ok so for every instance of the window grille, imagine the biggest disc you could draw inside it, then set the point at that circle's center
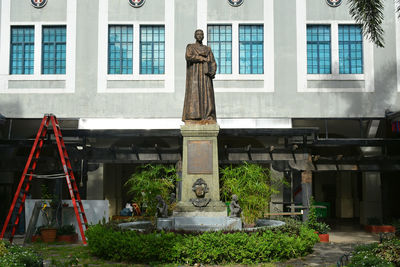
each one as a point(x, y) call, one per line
point(22, 49)
point(251, 51)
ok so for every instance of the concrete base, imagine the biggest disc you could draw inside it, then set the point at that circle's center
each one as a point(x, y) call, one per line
point(213, 209)
point(165, 223)
point(207, 223)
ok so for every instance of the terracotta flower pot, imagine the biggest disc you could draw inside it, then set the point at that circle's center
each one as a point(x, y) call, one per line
point(35, 238)
point(68, 238)
point(380, 228)
point(48, 234)
point(324, 238)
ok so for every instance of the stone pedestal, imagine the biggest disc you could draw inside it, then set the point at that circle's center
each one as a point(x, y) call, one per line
point(165, 223)
point(200, 173)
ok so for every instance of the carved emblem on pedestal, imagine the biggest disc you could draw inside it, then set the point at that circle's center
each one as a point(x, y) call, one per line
point(200, 189)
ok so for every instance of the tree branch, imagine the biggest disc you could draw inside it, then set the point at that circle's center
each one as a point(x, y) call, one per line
point(369, 13)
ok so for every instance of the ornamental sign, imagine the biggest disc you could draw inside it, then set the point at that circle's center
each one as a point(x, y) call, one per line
point(136, 3)
point(235, 2)
point(334, 3)
point(38, 3)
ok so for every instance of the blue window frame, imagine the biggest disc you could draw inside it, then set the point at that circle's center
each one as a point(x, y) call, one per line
point(120, 49)
point(350, 49)
point(152, 49)
point(318, 49)
point(251, 49)
point(54, 49)
point(22, 49)
point(220, 40)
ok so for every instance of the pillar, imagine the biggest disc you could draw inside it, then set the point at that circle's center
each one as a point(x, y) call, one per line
point(371, 205)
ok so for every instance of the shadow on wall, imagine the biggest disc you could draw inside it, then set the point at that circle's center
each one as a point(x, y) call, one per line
point(384, 97)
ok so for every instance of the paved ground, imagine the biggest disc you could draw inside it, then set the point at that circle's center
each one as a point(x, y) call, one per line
point(342, 242)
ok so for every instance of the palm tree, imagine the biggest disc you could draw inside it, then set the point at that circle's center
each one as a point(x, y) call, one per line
point(369, 13)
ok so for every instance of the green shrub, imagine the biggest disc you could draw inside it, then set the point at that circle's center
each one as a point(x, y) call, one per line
point(148, 182)
point(253, 185)
point(19, 256)
point(3, 249)
point(66, 230)
point(377, 255)
point(312, 220)
point(208, 248)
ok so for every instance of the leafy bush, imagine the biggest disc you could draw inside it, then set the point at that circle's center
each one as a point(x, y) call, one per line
point(208, 248)
point(3, 249)
point(253, 185)
point(312, 220)
point(66, 230)
point(19, 256)
point(148, 182)
point(381, 255)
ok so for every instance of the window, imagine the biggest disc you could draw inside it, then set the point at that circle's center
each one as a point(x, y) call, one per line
point(22, 49)
point(251, 52)
point(350, 49)
point(152, 49)
point(318, 49)
point(220, 40)
point(120, 49)
point(54, 49)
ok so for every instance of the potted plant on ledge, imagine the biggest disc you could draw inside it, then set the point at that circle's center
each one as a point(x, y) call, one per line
point(374, 225)
point(320, 228)
point(322, 231)
point(48, 232)
point(67, 234)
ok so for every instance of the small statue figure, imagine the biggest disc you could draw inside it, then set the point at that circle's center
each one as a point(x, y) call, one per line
point(234, 207)
point(162, 208)
point(172, 198)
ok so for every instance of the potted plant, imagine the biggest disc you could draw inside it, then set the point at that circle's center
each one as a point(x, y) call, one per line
point(36, 235)
point(374, 225)
point(320, 228)
point(48, 232)
point(322, 231)
point(67, 234)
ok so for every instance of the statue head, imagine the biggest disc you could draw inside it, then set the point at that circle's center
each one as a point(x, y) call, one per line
point(200, 188)
point(234, 198)
point(159, 199)
point(199, 35)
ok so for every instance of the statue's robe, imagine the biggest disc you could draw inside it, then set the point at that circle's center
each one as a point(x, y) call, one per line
point(199, 95)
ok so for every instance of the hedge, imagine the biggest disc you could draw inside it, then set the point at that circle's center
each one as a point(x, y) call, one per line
point(207, 248)
point(16, 256)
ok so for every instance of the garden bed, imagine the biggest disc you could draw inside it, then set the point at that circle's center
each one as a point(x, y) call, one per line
point(268, 245)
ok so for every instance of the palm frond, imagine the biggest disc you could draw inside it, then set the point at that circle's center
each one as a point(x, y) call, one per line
point(369, 13)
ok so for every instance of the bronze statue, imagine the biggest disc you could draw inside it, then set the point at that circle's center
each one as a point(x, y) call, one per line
point(162, 208)
point(199, 105)
point(235, 207)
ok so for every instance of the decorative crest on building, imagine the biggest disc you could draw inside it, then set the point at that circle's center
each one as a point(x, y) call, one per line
point(136, 3)
point(235, 2)
point(38, 3)
point(334, 3)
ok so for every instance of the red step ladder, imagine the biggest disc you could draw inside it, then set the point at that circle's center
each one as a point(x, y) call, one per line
point(26, 178)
